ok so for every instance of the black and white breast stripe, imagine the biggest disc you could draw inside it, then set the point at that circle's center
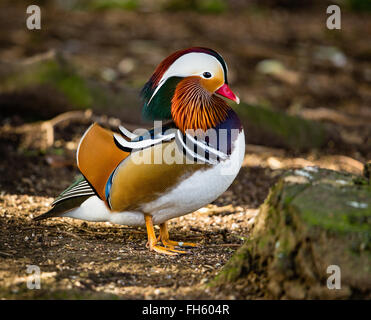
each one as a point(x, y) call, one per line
point(80, 189)
point(199, 151)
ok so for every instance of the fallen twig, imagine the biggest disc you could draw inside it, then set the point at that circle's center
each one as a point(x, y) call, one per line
point(5, 254)
point(48, 126)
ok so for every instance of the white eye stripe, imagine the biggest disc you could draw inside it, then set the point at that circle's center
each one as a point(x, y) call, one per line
point(194, 63)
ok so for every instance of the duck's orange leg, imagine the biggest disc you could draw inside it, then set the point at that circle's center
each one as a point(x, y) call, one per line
point(164, 237)
point(152, 241)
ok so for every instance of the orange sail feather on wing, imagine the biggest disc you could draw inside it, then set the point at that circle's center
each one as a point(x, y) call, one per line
point(98, 156)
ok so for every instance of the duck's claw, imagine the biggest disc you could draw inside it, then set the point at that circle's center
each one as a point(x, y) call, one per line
point(171, 243)
point(164, 238)
point(152, 242)
point(169, 251)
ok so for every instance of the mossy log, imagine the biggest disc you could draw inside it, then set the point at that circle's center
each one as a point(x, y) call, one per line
point(44, 86)
point(279, 129)
point(312, 219)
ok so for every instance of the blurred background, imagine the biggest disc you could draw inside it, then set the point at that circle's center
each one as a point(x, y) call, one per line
point(306, 90)
point(282, 59)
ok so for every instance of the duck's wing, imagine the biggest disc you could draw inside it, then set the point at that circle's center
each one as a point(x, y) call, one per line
point(147, 175)
point(126, 170)
point(79, 188)
point(69, 199)
point(155, 166)
point(97, 156)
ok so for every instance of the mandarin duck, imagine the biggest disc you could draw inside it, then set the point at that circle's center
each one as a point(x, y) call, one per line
point(174, 169)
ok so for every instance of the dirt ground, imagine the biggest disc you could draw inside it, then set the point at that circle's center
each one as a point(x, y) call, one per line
point(99, 260)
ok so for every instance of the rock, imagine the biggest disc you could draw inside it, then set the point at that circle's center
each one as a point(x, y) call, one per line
point(126, 65)
point(277, 70)
point(312, 219)
point(331, 55)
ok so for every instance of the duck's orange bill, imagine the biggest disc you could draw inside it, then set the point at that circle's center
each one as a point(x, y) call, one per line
point(226, 92)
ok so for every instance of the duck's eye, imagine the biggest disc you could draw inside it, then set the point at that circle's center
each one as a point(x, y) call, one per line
point(206, 75)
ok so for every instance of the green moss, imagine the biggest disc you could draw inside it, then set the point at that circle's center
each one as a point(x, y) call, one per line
point(234, 268)
point(212, 6)
point(54, 74)
point(68, 82)
point(57, 151)
point(290, 192)
point(358, 5)
point(294, 132)
point(113, 4)
point(263, 242)
point(336, 209)
point(205, 6)
point(304, 225)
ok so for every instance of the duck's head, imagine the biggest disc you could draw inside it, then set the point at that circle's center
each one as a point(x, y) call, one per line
point(185, 88)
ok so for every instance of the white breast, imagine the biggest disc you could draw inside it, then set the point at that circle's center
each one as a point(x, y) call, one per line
point(200, 189)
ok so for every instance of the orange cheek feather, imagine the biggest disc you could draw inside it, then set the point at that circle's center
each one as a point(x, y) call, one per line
point(213, 83)
point(193, 107)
